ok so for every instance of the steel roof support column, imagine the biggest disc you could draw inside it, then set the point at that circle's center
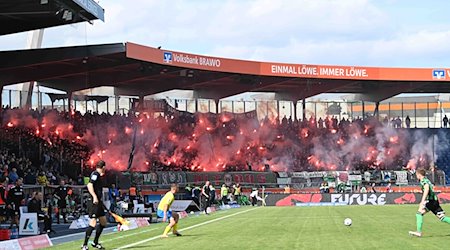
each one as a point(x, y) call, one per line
point(376, 112)
point(1, 99)
point(34, 41)
point(295, 110)
point(217, 101)
point(304, 109)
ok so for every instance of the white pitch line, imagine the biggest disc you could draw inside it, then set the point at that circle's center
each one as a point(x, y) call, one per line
point(184, 229)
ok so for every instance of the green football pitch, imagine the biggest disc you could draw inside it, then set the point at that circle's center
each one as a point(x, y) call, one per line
point(374, 227)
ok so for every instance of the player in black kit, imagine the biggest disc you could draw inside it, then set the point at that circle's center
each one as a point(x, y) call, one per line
point(95, 206)
point(15, 199)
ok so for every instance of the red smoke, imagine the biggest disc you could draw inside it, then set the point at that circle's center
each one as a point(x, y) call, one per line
point(208, 142)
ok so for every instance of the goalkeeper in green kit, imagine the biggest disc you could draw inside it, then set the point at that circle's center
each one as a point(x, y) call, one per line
point(428, 203)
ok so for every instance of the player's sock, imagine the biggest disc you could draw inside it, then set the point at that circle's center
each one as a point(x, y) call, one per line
point(166, 231)
point(175, 227)
point(446, 219)
point(419, 221)
point(88, 235)
point(98, 232)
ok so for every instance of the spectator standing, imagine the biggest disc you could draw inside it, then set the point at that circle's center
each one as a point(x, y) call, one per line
point(237, 193)
point(30, 178)
point(445, 121)
point(408, 122)
point(224, 194)
point(113, 194)
point(13, 176)
point(212, 195)
point(34, 206)
point(80, 179)
point(42, 179)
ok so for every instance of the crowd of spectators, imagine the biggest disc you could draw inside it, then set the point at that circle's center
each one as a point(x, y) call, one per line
point(185, 141)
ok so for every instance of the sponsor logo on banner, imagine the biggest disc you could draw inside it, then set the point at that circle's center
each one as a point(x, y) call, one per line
point(407, 198)
point(309, 174)
point(28, 224)
point(319, 71)
point(167, 57)
point(170, 57)
point(359, 199)
point(438, 74)
point(292, 199)
point(350, 199)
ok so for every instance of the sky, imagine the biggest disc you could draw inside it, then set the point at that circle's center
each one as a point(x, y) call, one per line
point(391, 33)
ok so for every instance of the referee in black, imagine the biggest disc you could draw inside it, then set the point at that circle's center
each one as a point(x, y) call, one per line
point(95, 206)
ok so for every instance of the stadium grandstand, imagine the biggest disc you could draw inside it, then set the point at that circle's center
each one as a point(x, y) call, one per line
point(158, 117)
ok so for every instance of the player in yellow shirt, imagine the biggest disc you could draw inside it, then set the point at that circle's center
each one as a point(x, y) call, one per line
point(165, 212)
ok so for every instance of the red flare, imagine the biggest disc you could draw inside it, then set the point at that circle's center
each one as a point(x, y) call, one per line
point(393, 139)
point(366, 129)
point(10, 124)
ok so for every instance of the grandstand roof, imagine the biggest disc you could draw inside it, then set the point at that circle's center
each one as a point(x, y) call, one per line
point(139, 70)
point(25, 15)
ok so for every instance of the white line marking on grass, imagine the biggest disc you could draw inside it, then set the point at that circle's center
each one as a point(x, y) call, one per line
point(187, 228)
point(127, 235)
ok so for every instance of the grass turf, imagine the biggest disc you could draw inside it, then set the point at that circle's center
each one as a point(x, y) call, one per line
point(374, 227)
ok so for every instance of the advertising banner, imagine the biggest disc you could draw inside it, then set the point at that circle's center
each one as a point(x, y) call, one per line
point(350, 198)
point(192, 61)
point(28, 224)
point(218, 178)
point(27, 243)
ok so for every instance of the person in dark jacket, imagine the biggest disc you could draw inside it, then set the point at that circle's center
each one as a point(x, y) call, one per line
point(34, 206)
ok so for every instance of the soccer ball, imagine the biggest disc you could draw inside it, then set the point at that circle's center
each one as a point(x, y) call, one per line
point(348, 222)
